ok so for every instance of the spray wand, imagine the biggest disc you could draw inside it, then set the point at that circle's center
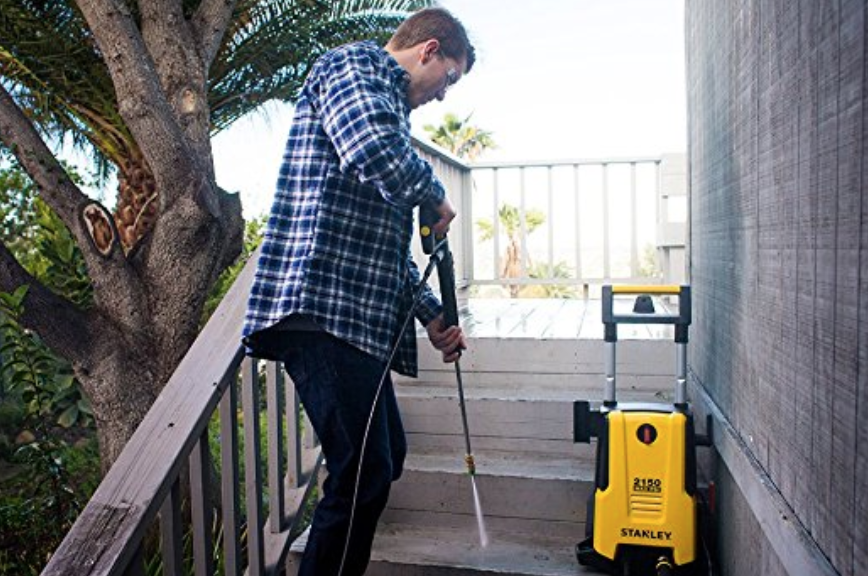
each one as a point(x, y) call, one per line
point(437, 246)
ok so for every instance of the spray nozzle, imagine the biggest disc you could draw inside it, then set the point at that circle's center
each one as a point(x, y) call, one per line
point(471, 464)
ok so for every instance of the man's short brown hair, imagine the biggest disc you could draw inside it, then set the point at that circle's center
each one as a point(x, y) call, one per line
point(439, 24)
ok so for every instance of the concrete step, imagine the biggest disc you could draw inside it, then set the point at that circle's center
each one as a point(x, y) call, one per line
point(418, 550)
point(431, 550)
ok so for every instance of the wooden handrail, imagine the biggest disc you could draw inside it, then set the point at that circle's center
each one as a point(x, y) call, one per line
point(109, 530)
point(106, 539)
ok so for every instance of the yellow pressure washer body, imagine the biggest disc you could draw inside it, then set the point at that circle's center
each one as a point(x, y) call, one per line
point(643, 515)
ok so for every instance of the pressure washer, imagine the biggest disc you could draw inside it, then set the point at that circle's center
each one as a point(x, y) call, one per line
point(647, 514)
point(436, 246)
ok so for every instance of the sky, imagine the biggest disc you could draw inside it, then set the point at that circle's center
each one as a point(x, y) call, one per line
point(564, 79)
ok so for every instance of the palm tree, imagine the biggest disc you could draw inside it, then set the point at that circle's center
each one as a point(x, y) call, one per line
point(143, 86)
point(460, 137)
point(510, 218)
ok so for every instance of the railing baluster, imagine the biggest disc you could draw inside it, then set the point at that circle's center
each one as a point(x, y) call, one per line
point(252, 466)
point(229, 479)
point(578, 228)
point(274, 391)
point(309, 440)
point(551, 221)
point(522, 219)
point(607, 273)
point(467, 227)
point(200, 506)
point(496, 219)
point(171, 532)
point(634, 225)
point(137, 563)
point(293, 438)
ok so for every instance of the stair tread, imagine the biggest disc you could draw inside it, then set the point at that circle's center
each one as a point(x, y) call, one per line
point(506, 552)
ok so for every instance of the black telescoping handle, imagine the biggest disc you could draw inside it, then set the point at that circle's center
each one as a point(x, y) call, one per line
point(446, 275)
point(445, 264)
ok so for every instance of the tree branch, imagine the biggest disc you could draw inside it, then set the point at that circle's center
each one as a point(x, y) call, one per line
point(19, 135)
point(183, 75)
point(62, 326)
point(89, 222)
point(141, 101)
point(209, 26)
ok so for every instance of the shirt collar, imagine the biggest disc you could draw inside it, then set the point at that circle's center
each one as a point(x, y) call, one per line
point(400, 77)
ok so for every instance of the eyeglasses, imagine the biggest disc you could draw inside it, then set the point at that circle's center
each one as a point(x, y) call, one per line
point(451, 73)
point(451, 78)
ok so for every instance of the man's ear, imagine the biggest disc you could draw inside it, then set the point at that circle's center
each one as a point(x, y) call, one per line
point(429, 49)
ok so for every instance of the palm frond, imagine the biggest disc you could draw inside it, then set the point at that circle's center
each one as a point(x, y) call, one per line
point(272, 44)
point(50, 63)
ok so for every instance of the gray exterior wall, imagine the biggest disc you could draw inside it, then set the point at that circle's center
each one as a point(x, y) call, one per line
point(779, 265)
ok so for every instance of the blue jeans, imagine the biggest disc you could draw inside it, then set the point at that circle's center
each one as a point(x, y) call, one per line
point(337, 384)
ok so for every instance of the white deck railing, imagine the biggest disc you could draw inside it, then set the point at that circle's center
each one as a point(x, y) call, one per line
point(603, 220)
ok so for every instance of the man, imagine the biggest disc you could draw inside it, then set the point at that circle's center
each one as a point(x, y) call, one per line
point(335, 279)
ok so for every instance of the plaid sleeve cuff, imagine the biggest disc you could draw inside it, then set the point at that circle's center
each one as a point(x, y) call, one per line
point(429, 307)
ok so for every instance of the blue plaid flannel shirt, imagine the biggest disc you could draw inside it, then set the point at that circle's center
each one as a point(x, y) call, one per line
point(337, 242)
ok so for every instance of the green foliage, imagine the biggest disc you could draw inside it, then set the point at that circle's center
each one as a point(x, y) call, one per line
point(17, 211)
point(44, 383)
point(541, 270)
point(39, 504)
point(38, 238)
point(648, 265)
point(460, 137)
point(46, 249)
point(253, 231)
point(510, 222)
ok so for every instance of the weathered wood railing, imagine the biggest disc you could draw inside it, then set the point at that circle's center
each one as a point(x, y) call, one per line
point(144, 487)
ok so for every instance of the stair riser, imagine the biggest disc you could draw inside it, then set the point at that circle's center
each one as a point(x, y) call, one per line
point(501, 496)
point(539, 420)
point(453, 443)
point(575, 386)
point(535, 356)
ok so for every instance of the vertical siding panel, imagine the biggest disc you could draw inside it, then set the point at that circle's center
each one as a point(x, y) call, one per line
point(807, 202)
point(860, 442)
point(850, 151)
point(766, 256)
point(825, 225)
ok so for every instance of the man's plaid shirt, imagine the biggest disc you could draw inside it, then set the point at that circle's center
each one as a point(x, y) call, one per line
point(337, 242)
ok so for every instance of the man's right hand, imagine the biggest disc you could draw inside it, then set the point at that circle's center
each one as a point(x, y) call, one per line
point(449, 341)
point(447, 214)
